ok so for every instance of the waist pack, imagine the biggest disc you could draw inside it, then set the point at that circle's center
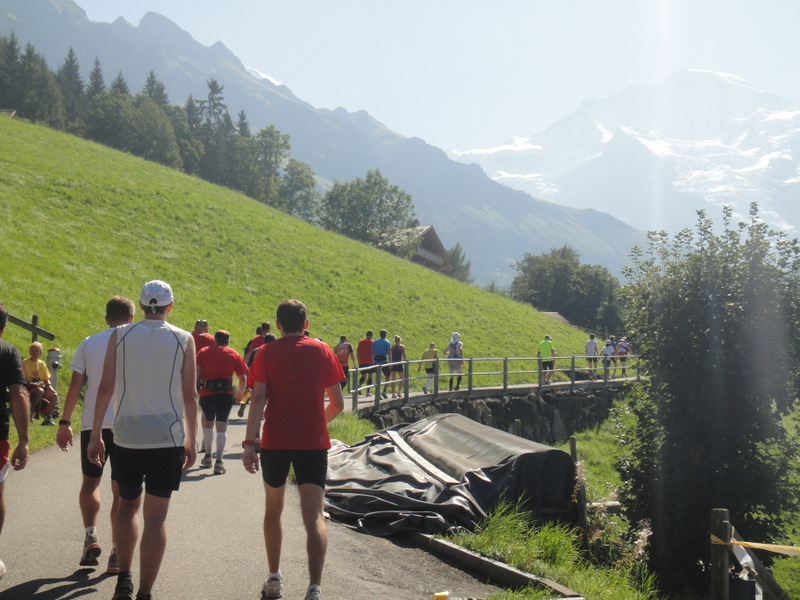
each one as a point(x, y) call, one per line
point(218, 385)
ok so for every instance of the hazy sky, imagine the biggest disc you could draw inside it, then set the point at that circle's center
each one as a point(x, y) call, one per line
point(464, 74)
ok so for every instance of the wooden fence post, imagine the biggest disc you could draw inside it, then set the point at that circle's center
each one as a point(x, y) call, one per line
point(720, 557)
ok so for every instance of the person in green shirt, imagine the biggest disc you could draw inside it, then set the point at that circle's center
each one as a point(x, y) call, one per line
point(547, 352)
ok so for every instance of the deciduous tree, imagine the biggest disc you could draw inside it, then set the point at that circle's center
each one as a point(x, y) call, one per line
point(372, 210)
point(716, 321)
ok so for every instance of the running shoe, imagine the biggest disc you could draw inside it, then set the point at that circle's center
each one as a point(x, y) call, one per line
point(124, 589)
point(113, 563)
point(219, 467)
point(91, 550)
point(205, 462)
point(273, 588)
point(313, 594)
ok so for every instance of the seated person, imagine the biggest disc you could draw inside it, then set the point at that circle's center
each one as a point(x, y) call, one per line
point(43, 397)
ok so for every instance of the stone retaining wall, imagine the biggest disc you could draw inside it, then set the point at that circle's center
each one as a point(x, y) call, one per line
point(546, 417)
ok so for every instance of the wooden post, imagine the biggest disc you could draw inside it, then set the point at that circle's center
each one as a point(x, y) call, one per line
point(572, 372)
point(469, 374)
point(583, 519)
point(354, 388)
point(435, 378)
point(378, 374)
point(505, 375)
point(406, 369)
point(720, 557)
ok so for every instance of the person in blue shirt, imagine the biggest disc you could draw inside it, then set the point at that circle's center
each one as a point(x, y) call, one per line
point(380, 355)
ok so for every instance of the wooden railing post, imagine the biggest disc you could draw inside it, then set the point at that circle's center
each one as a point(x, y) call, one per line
point(469, 374)
point(435, 378)
point(541, 375)
point(354, 388)
point(505, 375)
point(378, 373)
point(720, 558)
point(406, 369)
point(572, 372)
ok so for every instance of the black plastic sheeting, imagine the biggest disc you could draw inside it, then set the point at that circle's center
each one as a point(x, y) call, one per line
point(444, 472)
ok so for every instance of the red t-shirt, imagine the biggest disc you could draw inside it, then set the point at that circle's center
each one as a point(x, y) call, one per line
point(202, 340)
point(364, 352)
point(219, 362)
point(296, 370)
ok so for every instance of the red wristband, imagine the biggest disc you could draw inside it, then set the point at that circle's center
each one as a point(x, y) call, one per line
point(247, 443)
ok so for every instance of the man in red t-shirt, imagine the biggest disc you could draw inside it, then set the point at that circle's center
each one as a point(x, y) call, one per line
point(294, 372)
point(216, 366)
point(202, 339)
point(364, 352)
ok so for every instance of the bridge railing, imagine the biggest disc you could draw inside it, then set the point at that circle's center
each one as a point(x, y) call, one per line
point(490, 373)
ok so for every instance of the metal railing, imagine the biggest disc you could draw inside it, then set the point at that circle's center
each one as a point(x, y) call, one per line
point(499, 374)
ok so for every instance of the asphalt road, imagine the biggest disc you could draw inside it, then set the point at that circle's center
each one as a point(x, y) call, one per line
point(215, 549)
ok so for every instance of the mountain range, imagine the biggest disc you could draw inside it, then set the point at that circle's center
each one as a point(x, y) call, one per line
point(494, 224)
point(652, 155)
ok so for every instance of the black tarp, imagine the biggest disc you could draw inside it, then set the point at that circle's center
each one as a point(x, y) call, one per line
point(443, 472)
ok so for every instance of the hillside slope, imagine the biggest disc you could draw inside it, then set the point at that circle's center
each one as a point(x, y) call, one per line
point(84, 222)
point(494, 224)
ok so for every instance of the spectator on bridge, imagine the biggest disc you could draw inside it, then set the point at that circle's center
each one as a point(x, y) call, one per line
point(608, 357)
point(293, 373)
point(44, 397)
point(398, 356)
point(455, 359)
point(429, 356)
point(346, 354)
point(14, 390)
point(364, 352)
point(623, 349)
point(547, 352)
point(380, 356)
point(592, 349)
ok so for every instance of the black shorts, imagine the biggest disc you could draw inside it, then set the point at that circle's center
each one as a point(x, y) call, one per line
point(430, 370)
point(398, 368)
point(310, 466)
point(547, 365)
point(385, 370)
point(90, 469)
point(160, 469)
point(217, 407)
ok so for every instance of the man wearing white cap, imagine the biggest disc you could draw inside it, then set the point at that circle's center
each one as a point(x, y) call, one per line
point(154, 429)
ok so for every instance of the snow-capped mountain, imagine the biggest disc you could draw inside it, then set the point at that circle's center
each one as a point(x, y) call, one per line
point(653, 155)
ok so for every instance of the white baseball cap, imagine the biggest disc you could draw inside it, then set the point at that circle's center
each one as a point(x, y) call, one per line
point(156, 293)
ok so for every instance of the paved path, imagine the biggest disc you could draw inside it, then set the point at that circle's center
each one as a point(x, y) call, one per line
point(215, 549)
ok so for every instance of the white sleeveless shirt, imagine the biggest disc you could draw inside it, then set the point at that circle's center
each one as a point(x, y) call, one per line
point(149, 393)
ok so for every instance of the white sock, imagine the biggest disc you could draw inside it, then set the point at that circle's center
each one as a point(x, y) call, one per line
point(208, 439)
point(222, 439)
point(91, 530)
point(277, 575)
point(313, 587)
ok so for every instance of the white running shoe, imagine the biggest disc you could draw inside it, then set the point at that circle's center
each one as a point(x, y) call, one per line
point(273, 588)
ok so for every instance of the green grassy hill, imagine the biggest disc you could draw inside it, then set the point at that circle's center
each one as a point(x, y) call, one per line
point(83, 223)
